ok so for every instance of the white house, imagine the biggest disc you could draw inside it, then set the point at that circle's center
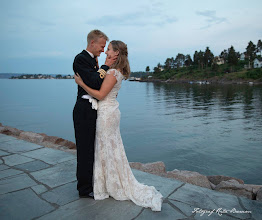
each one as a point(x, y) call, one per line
point(258, 63)
point(218, 60)
point(242, 56)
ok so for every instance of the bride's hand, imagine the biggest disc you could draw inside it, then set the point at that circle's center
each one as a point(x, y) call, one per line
point(78, 79)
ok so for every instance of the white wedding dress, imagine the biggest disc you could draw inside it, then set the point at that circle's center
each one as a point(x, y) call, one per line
point(112, 173)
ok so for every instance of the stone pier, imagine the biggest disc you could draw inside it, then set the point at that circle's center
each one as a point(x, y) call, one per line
point(37, 182)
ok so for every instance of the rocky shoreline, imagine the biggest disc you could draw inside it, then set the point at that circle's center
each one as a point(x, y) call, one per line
point(213, 80)
point(219, 183)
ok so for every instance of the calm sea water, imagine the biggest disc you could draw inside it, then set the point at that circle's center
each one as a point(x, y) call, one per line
point(211, 129)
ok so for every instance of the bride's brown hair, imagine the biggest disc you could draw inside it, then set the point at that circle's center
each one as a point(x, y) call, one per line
point(122, 62)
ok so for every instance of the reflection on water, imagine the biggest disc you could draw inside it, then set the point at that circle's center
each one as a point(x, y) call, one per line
point(211, 129)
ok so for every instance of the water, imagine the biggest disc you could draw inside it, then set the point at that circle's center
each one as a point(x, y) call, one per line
point(211, 129)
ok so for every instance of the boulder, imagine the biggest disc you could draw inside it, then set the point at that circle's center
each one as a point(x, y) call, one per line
point(217, 179)
point(256, 188)
point(157, 168)
point(235, 188)
point(259, 194)
point(191, 177)
point(2, 129)
point(65, 143)
point(32, 137)
point(52, 139)
point(10, 131)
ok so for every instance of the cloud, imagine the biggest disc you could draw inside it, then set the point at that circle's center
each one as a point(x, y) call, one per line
point(134, 19)
point(211, 18)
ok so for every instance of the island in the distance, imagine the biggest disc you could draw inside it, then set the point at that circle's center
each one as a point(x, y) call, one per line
point(42, 76)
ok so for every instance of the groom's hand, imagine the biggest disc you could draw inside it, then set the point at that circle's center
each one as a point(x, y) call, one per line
point(111, 60)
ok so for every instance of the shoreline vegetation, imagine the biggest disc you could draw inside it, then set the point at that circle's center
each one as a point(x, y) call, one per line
point(41, 76)
point(228, 67)
point(218, 183)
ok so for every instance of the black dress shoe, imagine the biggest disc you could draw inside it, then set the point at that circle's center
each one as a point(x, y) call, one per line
point(90, 195)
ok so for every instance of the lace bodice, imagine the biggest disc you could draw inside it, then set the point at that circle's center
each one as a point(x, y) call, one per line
point(111, 96)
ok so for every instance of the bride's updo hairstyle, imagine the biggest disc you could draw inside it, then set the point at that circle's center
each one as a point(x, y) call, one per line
point(122, 62)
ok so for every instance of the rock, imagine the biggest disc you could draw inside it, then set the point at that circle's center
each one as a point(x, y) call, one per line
point(194, 178)
point(52, 139)
point(157, 168)
point(235, 188)
point(2, 129)
point(217, 179)
point(255, 187)
point(32, 137)
point(1, 125)
point(11, 131)
point(213, 186)
point(136, 165)
point(66, 143)
point(259, 194)
point(50, 145)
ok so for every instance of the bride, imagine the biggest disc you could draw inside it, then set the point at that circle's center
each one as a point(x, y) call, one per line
point(112, 173)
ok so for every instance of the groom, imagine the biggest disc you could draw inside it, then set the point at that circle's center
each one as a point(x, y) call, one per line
point(84, 114)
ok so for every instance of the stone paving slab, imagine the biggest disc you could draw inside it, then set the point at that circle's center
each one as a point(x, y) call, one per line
point(50, 156)
point(207, 199)
point(86, 208)
point(39, 189)
point(33, 166)
point(15, 183)
point(58, 175)
point(24, 204)
point(186, 209)
point(164, 185)
point(3, 167)
point(18, 146)
point(254, 206)
point(4, 138)
point(62, 194)
point(3, 153)
point(167, 213)
point(9, 172)
point(16, 159)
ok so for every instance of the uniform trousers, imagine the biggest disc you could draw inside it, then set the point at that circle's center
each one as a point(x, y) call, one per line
point(84, 118)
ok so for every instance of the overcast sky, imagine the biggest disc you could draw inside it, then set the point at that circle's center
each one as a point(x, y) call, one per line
point(43, 36)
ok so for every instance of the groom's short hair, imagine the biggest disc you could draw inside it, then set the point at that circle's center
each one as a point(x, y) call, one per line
point(96, 34)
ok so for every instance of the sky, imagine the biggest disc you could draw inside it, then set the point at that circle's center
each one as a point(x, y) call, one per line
point(44, 36)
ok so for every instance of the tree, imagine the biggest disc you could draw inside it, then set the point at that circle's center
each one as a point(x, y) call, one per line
point(208, 57)
point(196, 58)
point(147, 69)
point(232, 57)
point(251, 52)
point(199, 59)
point(224, 55)
point(180, 60)
point(170, 63)
point(188, 61)
point(259, 46)
point(157, 69)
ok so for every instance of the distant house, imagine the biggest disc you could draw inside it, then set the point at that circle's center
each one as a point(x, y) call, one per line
point(161, 68)
point(219, 60)
point(242, 56)
point(258, 63)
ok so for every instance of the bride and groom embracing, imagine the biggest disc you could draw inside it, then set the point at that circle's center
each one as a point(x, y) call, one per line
point(102, 166)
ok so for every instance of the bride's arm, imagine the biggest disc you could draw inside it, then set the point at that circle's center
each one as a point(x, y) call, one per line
point(107, 86)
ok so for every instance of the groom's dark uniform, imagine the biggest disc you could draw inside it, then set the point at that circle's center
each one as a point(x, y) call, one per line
point(85, 119)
